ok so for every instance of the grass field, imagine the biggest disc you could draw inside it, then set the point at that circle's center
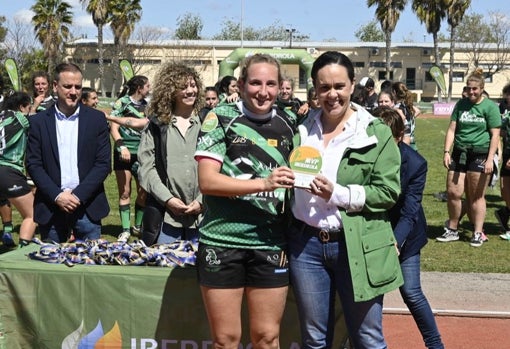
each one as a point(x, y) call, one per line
point(493, 256)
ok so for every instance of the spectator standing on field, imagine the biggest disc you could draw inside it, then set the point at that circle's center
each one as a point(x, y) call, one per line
point(404, 101)
point(471, 142)
point(42, 98)
point(503, 213)
point(211, 100)
point(370, 98)
point(174, 124)
point(410, 228)
point(89, 97)
point(13, 182)
point(228, 89)
point(132, 103)
point(69, 158)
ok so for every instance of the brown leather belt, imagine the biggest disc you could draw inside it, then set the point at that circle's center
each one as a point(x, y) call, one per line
point(324, 235)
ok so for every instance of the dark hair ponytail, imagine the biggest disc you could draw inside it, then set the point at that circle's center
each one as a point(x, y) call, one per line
point(133, 85)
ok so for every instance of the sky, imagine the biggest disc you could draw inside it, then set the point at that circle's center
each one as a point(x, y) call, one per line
point(319, 19)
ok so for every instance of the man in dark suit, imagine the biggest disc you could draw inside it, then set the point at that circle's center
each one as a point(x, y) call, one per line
point(410, 228)
point(68, 158)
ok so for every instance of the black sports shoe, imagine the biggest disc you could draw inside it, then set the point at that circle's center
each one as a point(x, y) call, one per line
point(502, 215)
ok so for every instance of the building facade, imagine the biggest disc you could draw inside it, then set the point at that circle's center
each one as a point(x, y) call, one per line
point(410, 62)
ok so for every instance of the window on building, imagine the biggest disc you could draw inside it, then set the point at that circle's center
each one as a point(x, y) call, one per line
point(487, 77)
point(458, 76)
point(383, 64)
point(381, 75)
point(302, 78)
point(359, 64)
point(428, 77)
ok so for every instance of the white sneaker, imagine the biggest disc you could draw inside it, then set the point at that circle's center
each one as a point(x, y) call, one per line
point(505, 236)
point(476, 239)
point(449, 235)
point(124, 236)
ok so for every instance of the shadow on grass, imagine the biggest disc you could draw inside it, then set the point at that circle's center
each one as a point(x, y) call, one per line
point(465, 230)
point(112, 230)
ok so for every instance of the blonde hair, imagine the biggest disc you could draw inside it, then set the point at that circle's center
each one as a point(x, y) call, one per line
point(170, 79)
point(477, 76)
point(259, 58)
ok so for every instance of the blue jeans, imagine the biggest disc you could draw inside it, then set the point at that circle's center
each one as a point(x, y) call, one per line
point(170, 233)
point(317, 271)
point(61, 224)
point(417, 303)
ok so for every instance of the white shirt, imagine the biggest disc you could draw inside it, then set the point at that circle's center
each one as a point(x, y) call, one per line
point(67, 141)
point(310, 208)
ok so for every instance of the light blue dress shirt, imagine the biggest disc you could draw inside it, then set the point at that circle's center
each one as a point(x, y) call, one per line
point(67, 140)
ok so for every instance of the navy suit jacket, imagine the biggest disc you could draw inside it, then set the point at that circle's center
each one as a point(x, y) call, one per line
point(407, 216)
point(94, 163)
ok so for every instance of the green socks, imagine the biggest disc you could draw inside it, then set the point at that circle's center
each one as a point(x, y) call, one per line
point(138, 215)
point(125, 219)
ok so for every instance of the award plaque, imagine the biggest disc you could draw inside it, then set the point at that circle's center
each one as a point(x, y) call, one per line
point(306, 163)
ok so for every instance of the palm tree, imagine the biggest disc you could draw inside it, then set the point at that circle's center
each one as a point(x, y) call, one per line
point(125, 14)
point(455, 12)
point(51, 20)
point(388, 13)
point(99, 11)
point(431, 13)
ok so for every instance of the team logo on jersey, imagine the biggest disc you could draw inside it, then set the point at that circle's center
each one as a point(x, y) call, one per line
point(272, 142)
point(118, 104)
point(14, 188)
point(210, 122)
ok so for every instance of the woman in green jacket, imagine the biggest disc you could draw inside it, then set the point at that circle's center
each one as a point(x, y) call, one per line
point(341, 239)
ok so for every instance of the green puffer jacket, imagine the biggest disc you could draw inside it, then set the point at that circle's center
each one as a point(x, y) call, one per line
point(370, 168)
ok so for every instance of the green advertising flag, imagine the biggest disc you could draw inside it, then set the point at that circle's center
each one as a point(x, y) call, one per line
point(127, 69)
point(438, 76)
point(12, 70)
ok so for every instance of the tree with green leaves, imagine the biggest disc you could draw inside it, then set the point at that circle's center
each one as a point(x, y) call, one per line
point(387, 12)
point(24, 48)
point(488, 41)
point(189, 27)
point(3, 34)
point(431, 13)
point(98, 9)
point(52, 20)
point(125, 14)
point(231, 30)
point(454, 15)
point(277, 32)
point(370, 32)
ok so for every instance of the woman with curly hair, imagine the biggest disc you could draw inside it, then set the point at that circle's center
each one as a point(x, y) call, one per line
point(174, 123)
